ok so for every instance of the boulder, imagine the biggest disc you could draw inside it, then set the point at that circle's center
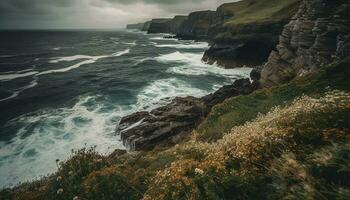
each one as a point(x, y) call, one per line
point(168, 124)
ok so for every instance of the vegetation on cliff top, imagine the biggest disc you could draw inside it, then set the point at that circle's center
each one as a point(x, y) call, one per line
point(297, 150)
point(254, 11)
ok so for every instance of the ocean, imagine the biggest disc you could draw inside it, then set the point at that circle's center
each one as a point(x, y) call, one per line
point(68, 89)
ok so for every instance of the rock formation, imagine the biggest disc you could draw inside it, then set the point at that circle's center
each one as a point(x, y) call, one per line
point(168, 124)
point(159, 26)
point(200, 25)
point(137, 26)
point(317, 34)
point(249, 31)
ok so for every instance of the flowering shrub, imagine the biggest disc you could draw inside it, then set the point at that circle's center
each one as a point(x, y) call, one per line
point(249, 152)
point(297, 148)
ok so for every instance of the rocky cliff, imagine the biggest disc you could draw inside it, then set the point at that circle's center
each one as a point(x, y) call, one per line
point(159, 26)
point(137, 26)
point(249, 31)
point(200, 25)
point(317, 34)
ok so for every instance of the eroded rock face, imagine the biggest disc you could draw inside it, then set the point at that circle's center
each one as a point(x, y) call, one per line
point(201, 25)
point(168, 124)
point(317, 34)
point(137, 26)
point(249, 45)
point(159, 26)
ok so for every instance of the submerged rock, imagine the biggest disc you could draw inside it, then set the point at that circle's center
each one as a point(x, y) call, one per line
point(169, 124)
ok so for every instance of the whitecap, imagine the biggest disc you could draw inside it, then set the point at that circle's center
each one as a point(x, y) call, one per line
point(193, 58)
point(87, 60)
point(198, 45)
point(126, 51)
point(51, 134)
point(130, 43)
point(192, 64)
point(71, 58)
point(163, 91)
point(162, 38)
point(18, 91)
point(10, 76)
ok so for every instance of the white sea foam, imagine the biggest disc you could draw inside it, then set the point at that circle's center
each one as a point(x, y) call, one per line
point(11, 76)
point(56, 48)
point(72, 58)
point(87, 60)
point(161, 38)
point(192, 64)
point(192, 58)
point(19, 90)
point(130, 43)
point(162, 91)
point(52, 135)
point(26, 73)
point(197, 45)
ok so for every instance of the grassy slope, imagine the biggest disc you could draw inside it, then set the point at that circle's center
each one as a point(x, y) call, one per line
point(302, 156)
point(253, 11)
point(238, 110)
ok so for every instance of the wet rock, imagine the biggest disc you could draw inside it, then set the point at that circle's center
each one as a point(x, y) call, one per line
point(169, 124)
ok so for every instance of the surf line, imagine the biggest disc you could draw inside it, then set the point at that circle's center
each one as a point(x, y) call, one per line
point(36, 74)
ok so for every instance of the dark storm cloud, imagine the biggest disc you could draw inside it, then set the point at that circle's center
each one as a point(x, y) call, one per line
point(92, 13)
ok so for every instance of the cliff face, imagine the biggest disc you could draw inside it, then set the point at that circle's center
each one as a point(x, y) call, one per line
point(165, 25)
point(137, 26)
point(159, 26)
point(146, 26)
point(176, 23)
point(317, 34)
point(200, 25)
point(249, 31)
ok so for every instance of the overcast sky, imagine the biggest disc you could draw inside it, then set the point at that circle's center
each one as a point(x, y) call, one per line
point(48, 14)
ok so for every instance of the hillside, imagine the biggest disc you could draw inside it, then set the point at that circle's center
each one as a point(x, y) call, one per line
point(298, 150)
point(253, 11)
point(286, 135)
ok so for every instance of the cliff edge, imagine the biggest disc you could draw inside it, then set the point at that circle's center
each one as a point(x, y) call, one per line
point(318, 34)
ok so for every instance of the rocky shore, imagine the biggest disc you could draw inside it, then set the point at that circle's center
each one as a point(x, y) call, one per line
point(169, 124)
point(317, 34)
point(233, 38)
point(283, 135)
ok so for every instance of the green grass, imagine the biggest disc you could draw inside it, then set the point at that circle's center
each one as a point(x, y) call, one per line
point(311, 151)
point(238, 110)
point(255, 11)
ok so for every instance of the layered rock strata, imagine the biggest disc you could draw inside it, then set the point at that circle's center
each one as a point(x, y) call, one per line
point(317, 34)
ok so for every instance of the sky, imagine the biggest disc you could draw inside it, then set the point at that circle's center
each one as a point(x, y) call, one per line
point(59, 14)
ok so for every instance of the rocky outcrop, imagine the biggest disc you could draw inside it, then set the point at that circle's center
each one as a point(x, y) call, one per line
point(146, 26)
point(248, 45)
point(317, 34)
point(248, 39)
point(159, 26)
point(200, 25)
point(166, 25)
point(168, 124)
point(137, 26)
point(176, 23)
